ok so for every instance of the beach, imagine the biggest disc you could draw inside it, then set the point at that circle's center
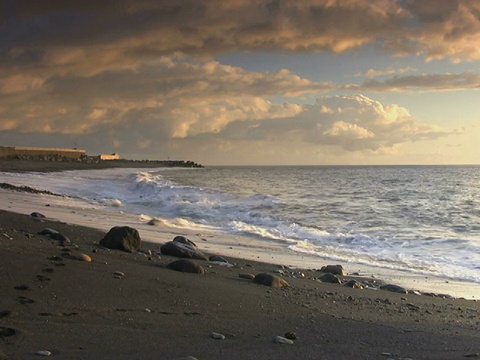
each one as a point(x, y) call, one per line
point(132, 306)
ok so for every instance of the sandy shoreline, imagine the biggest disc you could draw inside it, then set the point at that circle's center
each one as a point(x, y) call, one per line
point(81, 310)
point(76, 211)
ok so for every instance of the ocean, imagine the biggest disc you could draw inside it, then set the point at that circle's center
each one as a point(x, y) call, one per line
point(419, 219)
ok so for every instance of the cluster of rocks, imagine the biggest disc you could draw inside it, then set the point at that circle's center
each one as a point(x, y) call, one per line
point(27, 189)
point(128, 239)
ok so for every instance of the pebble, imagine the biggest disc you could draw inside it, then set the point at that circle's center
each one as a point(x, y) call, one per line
point(281, 340)
point(83, 257)
point(291, 335)
point(246, 276)
point(119, 273)
point(472, 355)
point(43, 353)
point(217, 336)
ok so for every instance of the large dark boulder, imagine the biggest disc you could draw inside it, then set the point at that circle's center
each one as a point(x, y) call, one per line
point(182, 248)
point(187, 266)
point(122, 238)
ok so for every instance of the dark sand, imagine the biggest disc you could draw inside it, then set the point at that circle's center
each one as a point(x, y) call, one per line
point(79, 310)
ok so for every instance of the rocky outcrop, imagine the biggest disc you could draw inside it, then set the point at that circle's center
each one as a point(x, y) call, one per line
point(122, 238)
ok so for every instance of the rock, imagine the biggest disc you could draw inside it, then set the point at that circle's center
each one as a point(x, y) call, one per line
point(119, 273)
point(246, 276)
point(184, 240)
point(354, 284)
point(187, 358)
point(122, 238)
point(333, 269)
point(155, 222)
point(82, 257)
point(6, 331)
point(43, 353)
point(472, 355)
point(291, 335)
point(182, 248)
point(37, 215)
point(270, 280)
point(217, 258)
point(54, 234)
point(281, 340)
point(186, 266)
point(217, 336)
point(329, 278)
point(394, 288)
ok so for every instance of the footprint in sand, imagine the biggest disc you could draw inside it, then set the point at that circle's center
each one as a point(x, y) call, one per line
point(43, 278)
point(5, 313)
point(25, 300)
point(22, 287)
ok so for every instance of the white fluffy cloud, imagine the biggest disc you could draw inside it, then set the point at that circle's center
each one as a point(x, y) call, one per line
point(349, 123)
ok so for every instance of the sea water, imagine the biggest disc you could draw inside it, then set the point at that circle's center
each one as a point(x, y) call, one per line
point(420, 219)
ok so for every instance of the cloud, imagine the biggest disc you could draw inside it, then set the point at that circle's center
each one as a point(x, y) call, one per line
point(353, 123)
point(465, 80)
point(183, 97)
point(387, 71)
point(86, 38)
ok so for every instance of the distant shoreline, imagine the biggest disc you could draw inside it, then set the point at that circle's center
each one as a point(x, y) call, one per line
point(24, 165)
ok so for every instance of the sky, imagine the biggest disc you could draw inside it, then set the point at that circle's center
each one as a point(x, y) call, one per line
point(244, 82)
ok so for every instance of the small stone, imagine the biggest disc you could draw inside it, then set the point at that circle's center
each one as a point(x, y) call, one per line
point(329, 278)
point(246, 276)
point(394, 288)
point(281, 340)
point(354, 284)
point(291, 335)
point(217, 336)
point(43, 353)
point(217, 258)
point(82, 257)
point(37, 215)
point(147, 310)
point(333, 269)
point(187, 266)
point(270, 280)
point(119, 273)
point(472, 355)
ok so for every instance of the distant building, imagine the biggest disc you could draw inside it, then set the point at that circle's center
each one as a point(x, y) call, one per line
point(114, 156)
point(35, 151)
